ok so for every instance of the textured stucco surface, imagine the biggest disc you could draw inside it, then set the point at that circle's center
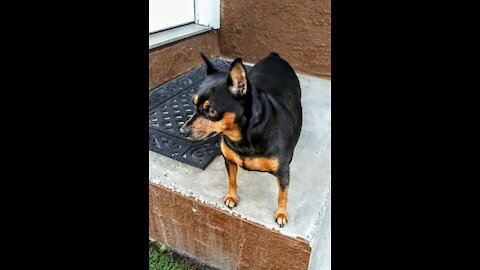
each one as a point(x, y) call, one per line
point(167, 62)
point(298, 30)
point(217, 238)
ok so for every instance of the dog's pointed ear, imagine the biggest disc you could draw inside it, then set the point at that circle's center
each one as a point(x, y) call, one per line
point(237, 79)
point(210, 66)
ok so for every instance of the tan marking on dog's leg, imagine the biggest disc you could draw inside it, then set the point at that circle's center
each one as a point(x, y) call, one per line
point(231, 199)
point(281, 216)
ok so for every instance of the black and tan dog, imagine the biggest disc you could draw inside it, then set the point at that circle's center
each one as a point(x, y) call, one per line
point(259, 117)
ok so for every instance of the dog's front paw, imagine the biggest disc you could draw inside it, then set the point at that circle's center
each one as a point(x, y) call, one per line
point(231, 200)
point(281, 217)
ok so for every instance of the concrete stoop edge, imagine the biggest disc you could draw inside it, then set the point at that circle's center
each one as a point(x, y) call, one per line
point(219, 237)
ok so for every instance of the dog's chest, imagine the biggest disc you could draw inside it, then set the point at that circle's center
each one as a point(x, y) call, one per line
point(264, 164)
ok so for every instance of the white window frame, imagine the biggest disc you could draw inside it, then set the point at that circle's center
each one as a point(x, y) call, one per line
point(170, 14)
point(207, 17)
point(207, 13)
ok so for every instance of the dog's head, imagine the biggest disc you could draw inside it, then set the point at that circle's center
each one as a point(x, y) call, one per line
point(220, 103)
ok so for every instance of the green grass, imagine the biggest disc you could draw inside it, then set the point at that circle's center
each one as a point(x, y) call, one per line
point(161, 259)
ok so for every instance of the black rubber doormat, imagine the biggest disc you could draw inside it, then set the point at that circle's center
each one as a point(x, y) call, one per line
point(170, 107)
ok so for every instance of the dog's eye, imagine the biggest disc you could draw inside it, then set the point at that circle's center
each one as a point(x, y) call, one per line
point(211, 111)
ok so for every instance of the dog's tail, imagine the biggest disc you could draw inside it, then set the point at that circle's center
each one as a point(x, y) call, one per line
point(274, 54)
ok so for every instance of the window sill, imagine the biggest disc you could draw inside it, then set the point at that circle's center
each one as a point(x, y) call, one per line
point(175, 34)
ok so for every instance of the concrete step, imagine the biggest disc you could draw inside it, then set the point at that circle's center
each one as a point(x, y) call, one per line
point(201, 193)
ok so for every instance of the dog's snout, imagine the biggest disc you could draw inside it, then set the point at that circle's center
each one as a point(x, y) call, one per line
point(185, 130)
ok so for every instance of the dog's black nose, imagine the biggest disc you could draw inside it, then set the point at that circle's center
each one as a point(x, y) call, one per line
point(185, 131)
